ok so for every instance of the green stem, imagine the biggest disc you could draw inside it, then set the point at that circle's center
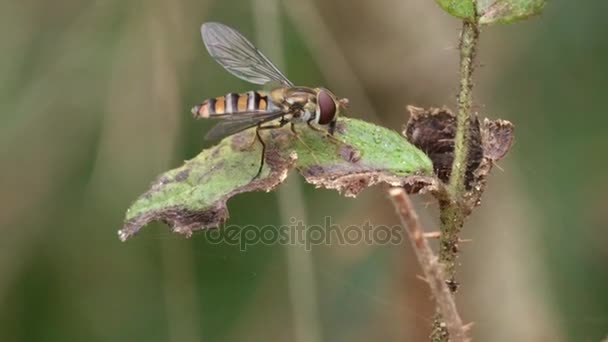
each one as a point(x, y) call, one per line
point(452, 220)
point(452, 211)
point(468, 47)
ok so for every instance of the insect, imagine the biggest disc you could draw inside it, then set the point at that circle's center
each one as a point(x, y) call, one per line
point(316, 107)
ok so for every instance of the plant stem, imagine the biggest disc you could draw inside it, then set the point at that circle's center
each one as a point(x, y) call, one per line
point(468, 46)
point(453, 211)
point(452, 219)
point(433, 272)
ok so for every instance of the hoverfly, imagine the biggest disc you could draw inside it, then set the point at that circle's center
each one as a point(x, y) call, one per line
point(317, 107)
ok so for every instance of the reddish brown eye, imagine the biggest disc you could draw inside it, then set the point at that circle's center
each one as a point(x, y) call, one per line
point(327, 107)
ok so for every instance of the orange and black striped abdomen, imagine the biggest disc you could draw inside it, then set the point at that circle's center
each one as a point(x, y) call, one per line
point(233, 104)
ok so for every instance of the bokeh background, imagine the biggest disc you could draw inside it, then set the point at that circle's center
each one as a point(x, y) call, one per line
point(94, 103)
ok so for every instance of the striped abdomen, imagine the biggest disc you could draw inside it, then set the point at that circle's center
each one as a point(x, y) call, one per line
point(234, 104)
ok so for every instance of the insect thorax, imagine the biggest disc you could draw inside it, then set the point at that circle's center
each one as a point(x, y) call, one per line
point(301, 101)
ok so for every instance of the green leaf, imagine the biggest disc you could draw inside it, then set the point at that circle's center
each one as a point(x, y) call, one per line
point(194, 195)
point(464, 9)
point(508, 11)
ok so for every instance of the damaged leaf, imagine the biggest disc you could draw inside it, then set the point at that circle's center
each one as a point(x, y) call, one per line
point(433, 131)
point(194, 196)
point(508, 11)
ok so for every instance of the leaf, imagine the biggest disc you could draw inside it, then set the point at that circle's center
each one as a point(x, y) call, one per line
point(194, 196)
point(433, 130)
point(464, 9)
point(508, 11)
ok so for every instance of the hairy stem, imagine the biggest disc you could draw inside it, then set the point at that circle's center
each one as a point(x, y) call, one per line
point(452, 211)
point(468, 46)
point(452, 219)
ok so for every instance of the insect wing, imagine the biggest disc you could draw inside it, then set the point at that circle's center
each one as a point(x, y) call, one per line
point(237, 123)
point(239, 56)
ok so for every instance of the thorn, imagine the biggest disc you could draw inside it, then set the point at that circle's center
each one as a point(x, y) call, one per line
point(465, 240)
point(422, 278)
point(432, 235)
point(467, 327)
point(497, 166)
point(434, 260)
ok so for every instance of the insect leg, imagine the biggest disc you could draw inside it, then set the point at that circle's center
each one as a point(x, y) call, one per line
point(259, 137)
point(280, 124)
point(258, 128)
point(312, 153)
point(293, 129)
point(329, 134)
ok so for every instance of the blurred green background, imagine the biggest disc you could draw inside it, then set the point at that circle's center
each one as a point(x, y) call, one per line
point(94, 102)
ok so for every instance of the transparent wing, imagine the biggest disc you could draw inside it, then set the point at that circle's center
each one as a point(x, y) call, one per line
point(235, 124)
point(238, 116)
point(237, 55)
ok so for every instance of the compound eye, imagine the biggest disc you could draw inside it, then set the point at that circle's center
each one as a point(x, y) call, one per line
point(327, 107)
